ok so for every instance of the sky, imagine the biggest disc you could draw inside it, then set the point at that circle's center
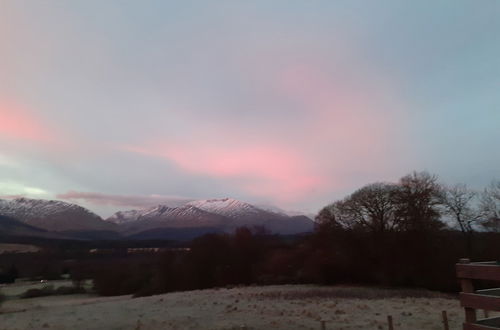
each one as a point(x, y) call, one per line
point(125, 104)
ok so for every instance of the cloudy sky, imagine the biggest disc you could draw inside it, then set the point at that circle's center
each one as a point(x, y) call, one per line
point(121, 104)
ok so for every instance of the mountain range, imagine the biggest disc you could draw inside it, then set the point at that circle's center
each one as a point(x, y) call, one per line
point(195, 218)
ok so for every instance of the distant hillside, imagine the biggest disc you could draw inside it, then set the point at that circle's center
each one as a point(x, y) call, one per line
point(13, 227)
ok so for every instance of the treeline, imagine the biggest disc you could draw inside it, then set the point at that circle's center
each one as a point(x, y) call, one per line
point(417, 203)
point(327, 257)
point(57, 257)
point(213, 260)
point(410, 233)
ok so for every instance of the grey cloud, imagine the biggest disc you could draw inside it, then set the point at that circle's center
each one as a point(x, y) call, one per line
point(136, 201)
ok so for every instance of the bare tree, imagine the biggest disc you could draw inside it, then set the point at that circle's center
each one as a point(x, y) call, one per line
point(458, 203)
point(490, 206)
point(328, 217)
point(411, 205)
point(369, 208)
point(417, 200)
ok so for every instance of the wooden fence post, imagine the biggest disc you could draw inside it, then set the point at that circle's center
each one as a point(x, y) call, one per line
point(467, 287)
point(389, 321)
point(445, 320)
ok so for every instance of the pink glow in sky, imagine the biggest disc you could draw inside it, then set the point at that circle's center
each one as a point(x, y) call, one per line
point(261, 169)
point(334, 131)
point(18, 124)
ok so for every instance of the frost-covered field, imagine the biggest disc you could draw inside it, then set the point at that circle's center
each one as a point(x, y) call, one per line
point(271, 307)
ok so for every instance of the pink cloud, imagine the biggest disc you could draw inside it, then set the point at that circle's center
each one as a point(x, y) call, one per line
point(24, 130)
point(17, 123)
point(259, 169)
point(353, 118)
point(336, 129)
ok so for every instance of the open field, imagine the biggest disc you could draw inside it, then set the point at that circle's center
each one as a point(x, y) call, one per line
point(272, 307)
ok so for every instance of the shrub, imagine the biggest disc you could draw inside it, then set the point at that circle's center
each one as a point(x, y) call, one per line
point(50, 291)
point(64, 290)
point(33, 293)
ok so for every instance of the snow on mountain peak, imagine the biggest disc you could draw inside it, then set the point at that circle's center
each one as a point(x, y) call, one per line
point(221, 213)
point(228, 207)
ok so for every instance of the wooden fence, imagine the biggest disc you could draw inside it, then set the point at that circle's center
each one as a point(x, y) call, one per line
point(472, 300)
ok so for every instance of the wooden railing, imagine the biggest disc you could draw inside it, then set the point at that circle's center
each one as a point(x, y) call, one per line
point(472, 300)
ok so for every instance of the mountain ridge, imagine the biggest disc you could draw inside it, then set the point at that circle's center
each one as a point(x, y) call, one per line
point(199, 216)
point(224, 213)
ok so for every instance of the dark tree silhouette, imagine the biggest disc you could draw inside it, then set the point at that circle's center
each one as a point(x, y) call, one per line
point(417, 200)
point(370, 208)
point(490, 207)
point(458, 203)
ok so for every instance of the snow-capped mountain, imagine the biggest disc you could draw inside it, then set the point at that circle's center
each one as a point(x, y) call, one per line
point(122, 217)
point(187, 221)
point(222, 214)
point(228, 207)
point(245, 214)
point(53, 215)
point(168, 217)
point(190, 212)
